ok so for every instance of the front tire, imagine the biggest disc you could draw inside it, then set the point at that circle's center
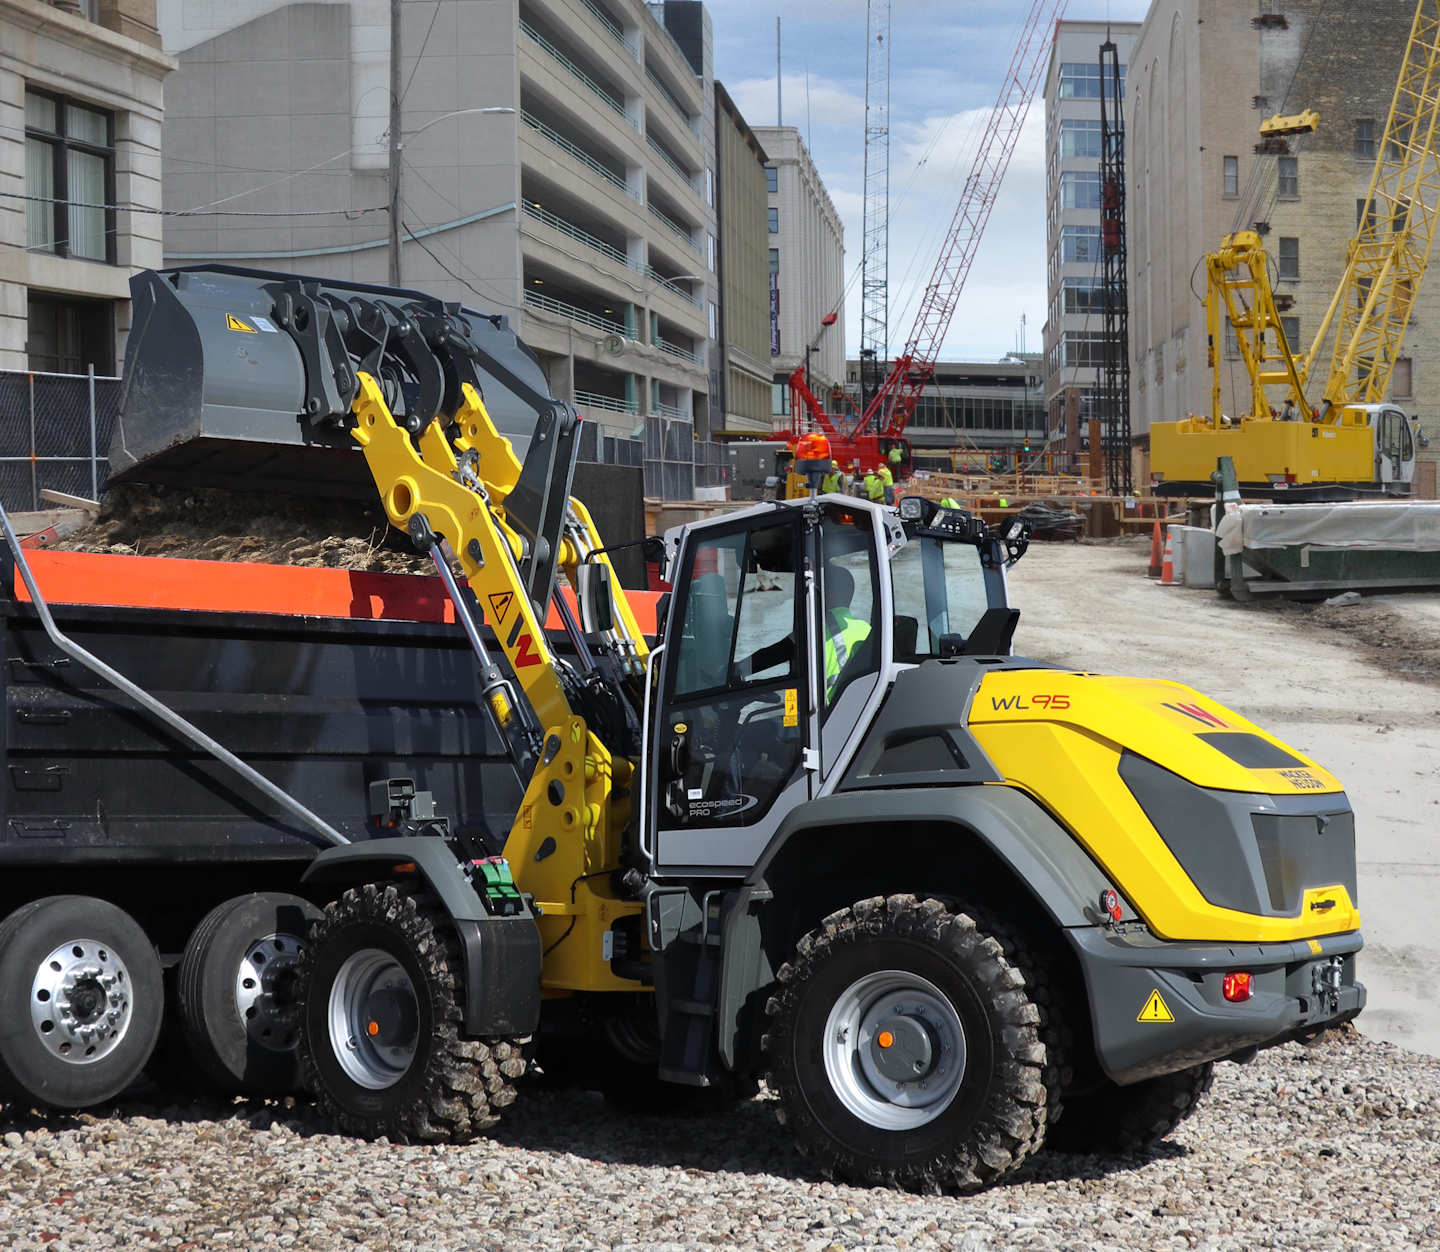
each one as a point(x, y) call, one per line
point(905, 1050)
point(381, 988)
point(84, 999)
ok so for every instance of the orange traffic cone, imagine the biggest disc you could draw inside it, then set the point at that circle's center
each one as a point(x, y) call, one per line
point(1167, 570)
point(1156, 553)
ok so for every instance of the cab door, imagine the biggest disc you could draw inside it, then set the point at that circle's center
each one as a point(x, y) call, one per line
point(1394, 448)
point(731, 733)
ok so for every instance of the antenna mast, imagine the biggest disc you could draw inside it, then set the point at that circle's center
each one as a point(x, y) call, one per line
point(875, 258)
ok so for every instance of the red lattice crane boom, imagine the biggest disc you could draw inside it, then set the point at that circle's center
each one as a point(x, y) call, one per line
point(890, 411)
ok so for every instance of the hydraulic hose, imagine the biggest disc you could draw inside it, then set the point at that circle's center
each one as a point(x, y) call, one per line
point(162, 712)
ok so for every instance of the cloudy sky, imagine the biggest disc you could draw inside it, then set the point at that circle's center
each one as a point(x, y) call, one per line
point(947, 61)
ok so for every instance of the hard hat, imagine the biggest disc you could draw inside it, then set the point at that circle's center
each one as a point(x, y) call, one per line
point(834, 464)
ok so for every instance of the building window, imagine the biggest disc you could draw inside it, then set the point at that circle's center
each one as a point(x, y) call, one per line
point(1289, 257)
point(1232, 342)
point(1262, 103)
point(713, 328)
point(1084, 295)
point(772, 179)
point(1083, 348)
point(1080, 137)
point(1079, 243)
point(1080, 80)
point(1290, 178)
point(1365, 139)
point(710, 251)
point(69, 336)
point(70, 172)
point(774, 260)
point(1232, 175)
point(774, 221)
point(1079, 190)
point(1400, 379)
point(780, 399)
point(709, 185)
point(1291, 327)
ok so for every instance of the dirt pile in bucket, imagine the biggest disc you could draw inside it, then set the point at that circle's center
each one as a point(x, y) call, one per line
point(212, 525)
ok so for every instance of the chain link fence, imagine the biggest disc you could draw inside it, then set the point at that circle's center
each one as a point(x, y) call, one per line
point(55, 434)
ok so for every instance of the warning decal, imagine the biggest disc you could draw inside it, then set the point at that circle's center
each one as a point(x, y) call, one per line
point(234, 323)
point(523, 656)
point(792, 702)
point(1155, 1010)
point(500, 604)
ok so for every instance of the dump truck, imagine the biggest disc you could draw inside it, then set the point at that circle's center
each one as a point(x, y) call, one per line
point(805, 816)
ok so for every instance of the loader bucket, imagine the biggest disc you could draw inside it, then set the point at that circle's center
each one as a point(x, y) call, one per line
point(243, 379)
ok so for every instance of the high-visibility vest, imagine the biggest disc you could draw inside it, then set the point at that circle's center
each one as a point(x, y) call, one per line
point(874, 488)
point(949, 502)
point(844, 632)
point(887, 479)
point(895, 456)
point(831, 482)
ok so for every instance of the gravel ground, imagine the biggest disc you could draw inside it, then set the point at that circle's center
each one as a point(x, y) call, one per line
point(1334, 1146)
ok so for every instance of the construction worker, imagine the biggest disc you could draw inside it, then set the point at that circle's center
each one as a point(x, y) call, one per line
point(874, 488)
point(831, 482)
point(844, 632)
point(887, 483)
point(896, 457)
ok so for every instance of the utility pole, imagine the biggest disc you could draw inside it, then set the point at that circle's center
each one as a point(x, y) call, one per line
point(395, 267)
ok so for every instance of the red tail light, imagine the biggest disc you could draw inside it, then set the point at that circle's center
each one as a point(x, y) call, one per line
point(1238, 986)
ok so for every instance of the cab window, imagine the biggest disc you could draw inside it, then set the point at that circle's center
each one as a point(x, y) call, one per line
point(939, 590)
point(850, 602)
point(737, 694)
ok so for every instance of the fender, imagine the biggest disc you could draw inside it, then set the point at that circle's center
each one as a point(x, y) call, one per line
point(1038, 852)
point(503, 955)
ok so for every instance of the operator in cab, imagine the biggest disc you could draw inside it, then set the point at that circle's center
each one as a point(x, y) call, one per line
point(844, 632)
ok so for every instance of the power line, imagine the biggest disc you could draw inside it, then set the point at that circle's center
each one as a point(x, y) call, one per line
point(353, 214)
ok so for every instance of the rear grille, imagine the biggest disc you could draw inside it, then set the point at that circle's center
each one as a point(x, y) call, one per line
point(1299, 851)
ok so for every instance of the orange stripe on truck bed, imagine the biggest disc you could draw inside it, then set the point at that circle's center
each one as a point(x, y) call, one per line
point(157, 582)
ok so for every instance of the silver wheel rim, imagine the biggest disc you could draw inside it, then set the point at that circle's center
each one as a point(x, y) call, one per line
point(855, 1077)
point(362, 975)
point(80, 1001)
point(262, 991)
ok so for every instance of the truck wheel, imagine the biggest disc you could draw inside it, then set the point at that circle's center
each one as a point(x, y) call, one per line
point(381, 989)
point(905, 1050)
point(95, 995)
point(236, 992)
point(1115, 1119)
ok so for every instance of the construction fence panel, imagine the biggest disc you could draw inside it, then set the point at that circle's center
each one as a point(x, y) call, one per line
point(54, 433)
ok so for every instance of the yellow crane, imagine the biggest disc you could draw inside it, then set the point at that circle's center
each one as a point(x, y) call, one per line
point(1352, 441)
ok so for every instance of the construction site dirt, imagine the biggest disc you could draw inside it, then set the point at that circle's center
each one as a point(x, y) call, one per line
point(1356, 687)
point(214, 525)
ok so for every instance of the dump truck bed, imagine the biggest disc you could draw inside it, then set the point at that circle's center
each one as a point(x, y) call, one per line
point(324, 680)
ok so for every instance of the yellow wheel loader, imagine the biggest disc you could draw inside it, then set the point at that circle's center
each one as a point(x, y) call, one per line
point(819, 825)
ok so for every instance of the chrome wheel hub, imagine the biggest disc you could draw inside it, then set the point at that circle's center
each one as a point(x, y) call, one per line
point(894, 1050)
point(80, 1001)
point(264, 991)
point(374, 1019)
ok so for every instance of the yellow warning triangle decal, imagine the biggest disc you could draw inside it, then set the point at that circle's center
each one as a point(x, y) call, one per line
point(234, 323)
point(500, 605)
point(1155, 1010)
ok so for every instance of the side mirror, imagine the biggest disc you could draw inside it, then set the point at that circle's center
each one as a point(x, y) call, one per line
point(597, 605)
point(952, 645)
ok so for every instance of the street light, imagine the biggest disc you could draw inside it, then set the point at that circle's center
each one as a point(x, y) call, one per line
point(397, 146)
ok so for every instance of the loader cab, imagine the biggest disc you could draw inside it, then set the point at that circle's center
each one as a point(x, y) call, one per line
point(787, 624)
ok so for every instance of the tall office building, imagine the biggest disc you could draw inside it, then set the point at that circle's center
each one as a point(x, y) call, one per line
point(807, 268)
point(80, 113)
point(1074, 325)
point(585, 210)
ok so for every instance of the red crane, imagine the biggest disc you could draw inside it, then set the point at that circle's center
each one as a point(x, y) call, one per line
point(881, 428)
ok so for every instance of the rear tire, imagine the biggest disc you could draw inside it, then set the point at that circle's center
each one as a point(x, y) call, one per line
point(236, 992)
point(84, 999)
point(381, 987)
point(975, 1106)
point(1114, 1119)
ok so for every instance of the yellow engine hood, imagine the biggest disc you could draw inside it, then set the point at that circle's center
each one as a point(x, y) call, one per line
point(1061, 736)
